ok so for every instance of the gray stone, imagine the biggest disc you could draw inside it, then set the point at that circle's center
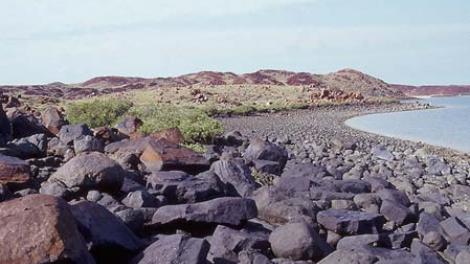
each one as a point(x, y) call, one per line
point(236, 175)
point(227, 210)
point(297, 241)
point(174, 249)
point(69, 133)
point(350, 222)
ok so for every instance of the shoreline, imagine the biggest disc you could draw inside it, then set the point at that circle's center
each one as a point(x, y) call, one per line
point(338, 115)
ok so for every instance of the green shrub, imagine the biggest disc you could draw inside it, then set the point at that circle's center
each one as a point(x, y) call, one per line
point(97, 112)
point(195, 125)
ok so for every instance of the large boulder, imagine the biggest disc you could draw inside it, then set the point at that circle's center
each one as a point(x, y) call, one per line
point(53, 119)
point(87, 144)
point(174, 249)
point(264, 150)
point(163, 155)
point(13, 171)
point(25, 125)
point(297, 241)
point(108, 237)
point(227, 243)
point(228, 210)
point(69, 133)
point(235, 174)
point(40, 229)
point(180, 187)
point(90, 171)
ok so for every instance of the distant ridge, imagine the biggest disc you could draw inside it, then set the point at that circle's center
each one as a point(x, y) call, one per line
point(347, 80)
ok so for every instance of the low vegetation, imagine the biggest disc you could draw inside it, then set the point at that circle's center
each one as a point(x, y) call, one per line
point(192, 108)
point(195, 125)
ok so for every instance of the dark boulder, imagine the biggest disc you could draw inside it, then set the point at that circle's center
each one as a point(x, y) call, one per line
point(109, 239)
point(229, 211)
point(227, 243)
point(179, 187)
point(69, 133)
point(235, 174)
point(264, 150)
point(350, 222)
point(87, 144)
point(174, 249)
point(297, 241)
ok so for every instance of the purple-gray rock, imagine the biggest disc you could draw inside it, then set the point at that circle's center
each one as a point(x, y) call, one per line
point(228, 210)
point(350, 222)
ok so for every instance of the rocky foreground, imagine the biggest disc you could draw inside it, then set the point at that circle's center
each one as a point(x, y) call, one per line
point(315, 192)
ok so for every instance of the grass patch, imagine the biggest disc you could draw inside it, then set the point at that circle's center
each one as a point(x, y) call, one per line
point(195, 125)
point(97, 112)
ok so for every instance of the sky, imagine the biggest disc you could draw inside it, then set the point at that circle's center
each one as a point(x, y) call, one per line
point(401, 41)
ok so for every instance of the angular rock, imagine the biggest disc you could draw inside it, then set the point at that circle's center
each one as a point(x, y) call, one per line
point(455, 231)
point(25, 125)
point(297, 241)
point(381, 152)
point(87, 143)
point(395, 212)
point(263, 150)
point(350, 222)
point(13, 171)
point(236, 175)
point(227, 243)
point(69, 133)
point(53, 119)
point(40, 229)
point(89, 171)
point(108, 237)
point(180, 187)
point(162, 155)
point(227, 210)
point(140, 198)
point(174, 249)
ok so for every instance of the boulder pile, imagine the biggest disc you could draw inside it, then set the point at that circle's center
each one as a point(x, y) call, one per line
point(71, 194)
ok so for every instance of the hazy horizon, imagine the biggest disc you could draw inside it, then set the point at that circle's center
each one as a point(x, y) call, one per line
point(423, 42)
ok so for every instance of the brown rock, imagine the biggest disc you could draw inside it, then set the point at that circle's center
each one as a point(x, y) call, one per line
point(53, 119)
point(163, 155)
point(40, 229)
point(13, 170)
point(172, 135)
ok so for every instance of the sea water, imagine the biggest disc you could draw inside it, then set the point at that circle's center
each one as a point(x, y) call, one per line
point(448, 126)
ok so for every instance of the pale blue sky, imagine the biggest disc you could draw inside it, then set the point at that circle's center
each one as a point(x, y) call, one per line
point(400, 41)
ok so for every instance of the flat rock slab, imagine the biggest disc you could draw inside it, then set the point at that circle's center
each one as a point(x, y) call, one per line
point(13, 170)
point(350, 222)
point(163, 155)
point(40, 229)
point(227, 210)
